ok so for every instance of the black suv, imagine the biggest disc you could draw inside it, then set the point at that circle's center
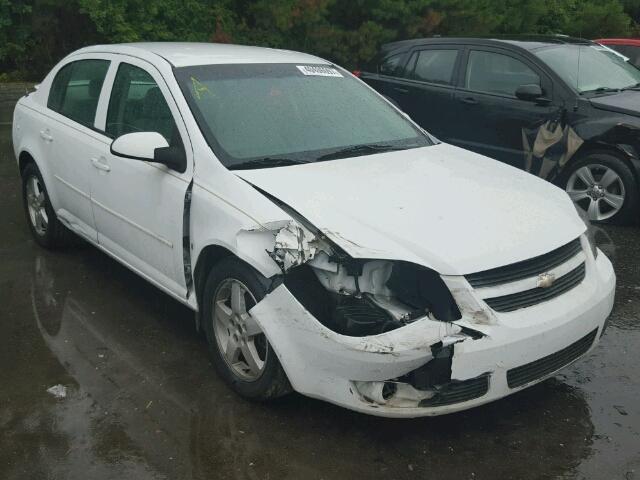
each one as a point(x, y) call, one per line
point(565, 109)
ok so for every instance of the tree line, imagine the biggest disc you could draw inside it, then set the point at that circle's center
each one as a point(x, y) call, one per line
point(35, 34)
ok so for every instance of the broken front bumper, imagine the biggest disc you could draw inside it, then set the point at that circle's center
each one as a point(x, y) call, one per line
point(527, 345)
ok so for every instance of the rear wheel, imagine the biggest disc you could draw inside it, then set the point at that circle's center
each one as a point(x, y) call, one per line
point(45, 227)
point(603, 186)
point(240, 351)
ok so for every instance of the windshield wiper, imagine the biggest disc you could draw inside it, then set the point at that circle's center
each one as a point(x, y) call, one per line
point(266, 162)
point(632, 87)
point(358, 150)
point(601, 90)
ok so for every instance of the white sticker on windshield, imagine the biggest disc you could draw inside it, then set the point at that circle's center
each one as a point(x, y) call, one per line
point(319, 71)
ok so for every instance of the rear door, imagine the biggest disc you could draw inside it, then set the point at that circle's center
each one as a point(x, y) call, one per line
point(72, 140)
point(138, 206)
point(489, 118)
point(425, 89)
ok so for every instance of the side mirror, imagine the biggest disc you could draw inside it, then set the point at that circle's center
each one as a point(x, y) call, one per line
point(149, 147)
point(529, 93)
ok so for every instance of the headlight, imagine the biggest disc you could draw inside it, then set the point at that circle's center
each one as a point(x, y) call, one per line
point(590, 233)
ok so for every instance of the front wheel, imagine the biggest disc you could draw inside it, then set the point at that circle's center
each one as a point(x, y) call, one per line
point(603, 186)
point(240, 351)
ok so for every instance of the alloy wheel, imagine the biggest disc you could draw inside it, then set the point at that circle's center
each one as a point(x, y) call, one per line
point(240, 340)
point(36, 205)
point(598, 190)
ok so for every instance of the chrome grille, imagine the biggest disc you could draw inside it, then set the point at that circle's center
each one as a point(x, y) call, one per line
point(527, 298)
point(526, 268)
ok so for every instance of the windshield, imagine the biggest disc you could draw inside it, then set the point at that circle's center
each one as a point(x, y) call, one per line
point(589, 68)
point(261, 115)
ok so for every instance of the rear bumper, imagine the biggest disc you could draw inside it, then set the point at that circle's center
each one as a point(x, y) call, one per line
point(323, 364)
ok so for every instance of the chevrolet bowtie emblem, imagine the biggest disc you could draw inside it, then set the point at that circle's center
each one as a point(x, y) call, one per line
point(545, 280)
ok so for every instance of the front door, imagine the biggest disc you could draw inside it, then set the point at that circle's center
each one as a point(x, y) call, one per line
point(426, 89)
point(138, 206)
point(490, 119)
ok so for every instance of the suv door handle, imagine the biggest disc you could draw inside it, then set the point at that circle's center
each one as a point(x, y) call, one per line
point(469, 100)
point(401, 90)
point(100, 165)
point(44, 134)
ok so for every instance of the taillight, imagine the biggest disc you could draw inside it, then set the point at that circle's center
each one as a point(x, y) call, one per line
point(357, 73)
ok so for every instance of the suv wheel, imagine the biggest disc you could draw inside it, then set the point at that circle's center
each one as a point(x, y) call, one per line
point(45, 227)
point(240, 351)
point(604, 187)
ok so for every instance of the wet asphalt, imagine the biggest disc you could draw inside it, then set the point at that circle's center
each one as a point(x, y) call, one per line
point(143, 401)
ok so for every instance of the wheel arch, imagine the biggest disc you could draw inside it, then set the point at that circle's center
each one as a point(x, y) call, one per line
point(627, 154)
point(209, 256)
point(25, 157)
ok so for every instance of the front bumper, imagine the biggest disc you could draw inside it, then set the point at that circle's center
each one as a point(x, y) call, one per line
point(323, 364)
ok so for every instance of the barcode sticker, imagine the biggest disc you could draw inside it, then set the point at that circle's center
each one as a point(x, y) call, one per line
point(319, 71)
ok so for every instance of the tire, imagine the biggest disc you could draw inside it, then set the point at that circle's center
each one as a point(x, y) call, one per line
point(266, 380)
point(48, 232)
point(616, 202)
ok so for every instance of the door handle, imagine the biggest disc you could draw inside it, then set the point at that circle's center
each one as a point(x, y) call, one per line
point(401, 90)
point(100, 165)
point(469, 100)
point(44, 134)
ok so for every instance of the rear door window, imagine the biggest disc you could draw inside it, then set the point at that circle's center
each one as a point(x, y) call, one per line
point(492, 72)
point(390, 65)
point(76, 88)
point(137, 105)
point(433, 66)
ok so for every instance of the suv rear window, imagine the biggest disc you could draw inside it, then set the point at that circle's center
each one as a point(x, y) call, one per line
point(390, 65)
point(433, 66)
point(75, 90)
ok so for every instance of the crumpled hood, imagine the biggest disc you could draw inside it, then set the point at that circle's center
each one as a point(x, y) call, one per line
point(627, 102)
point(442, 207)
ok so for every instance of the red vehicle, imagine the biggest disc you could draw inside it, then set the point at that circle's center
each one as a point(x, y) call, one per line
point(629, 47)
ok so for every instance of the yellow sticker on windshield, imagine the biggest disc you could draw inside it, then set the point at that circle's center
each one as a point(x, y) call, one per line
point(199, 89)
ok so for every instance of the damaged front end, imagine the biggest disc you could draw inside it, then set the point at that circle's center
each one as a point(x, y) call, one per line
point(366, 334)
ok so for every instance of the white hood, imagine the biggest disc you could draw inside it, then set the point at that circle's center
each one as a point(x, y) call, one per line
point(443, 207)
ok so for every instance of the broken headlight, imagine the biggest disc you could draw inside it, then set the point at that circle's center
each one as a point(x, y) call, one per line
point(358, 297)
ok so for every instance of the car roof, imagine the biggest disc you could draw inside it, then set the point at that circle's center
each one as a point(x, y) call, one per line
point(182, 54)
point(527, 42)
point(633, 42)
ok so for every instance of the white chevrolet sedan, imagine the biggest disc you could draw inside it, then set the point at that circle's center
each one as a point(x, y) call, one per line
point(327, 244)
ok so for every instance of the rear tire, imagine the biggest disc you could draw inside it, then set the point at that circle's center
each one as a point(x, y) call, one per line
point(240, 351)
point(604, 187)
point(43, 223)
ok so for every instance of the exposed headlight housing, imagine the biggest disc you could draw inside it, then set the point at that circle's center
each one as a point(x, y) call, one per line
point(360, 297)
